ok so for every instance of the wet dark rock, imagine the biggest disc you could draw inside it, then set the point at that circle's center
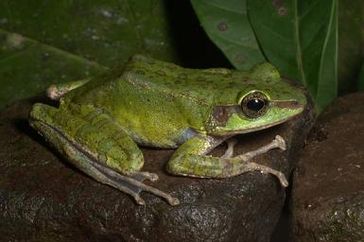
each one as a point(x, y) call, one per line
point(328, 190)
point(43, 198)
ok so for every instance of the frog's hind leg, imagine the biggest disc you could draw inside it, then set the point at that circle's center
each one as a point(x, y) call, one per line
point(95, 144)
point(130, 185)
point(56, 91)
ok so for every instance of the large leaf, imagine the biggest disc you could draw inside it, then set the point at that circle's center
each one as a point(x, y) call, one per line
point(103, 31)
point(46, 41)
point(301, 39)
point(28, 67)
point(227, 25)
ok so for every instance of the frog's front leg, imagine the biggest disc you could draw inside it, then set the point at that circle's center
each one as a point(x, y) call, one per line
point(191, 160)
point(95, 144)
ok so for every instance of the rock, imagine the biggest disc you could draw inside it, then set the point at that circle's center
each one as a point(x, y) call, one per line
point(328, 190)
point(43, 198)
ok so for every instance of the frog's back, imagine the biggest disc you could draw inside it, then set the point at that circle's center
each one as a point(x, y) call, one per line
point(158, 103)
point(202, 85)
point(146, 75)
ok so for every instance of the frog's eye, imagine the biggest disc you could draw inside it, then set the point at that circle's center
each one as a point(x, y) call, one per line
point(254, 104)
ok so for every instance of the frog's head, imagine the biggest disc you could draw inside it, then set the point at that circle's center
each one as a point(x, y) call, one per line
point(264, 100)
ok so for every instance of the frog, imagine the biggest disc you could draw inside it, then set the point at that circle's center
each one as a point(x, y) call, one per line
point(101, 122)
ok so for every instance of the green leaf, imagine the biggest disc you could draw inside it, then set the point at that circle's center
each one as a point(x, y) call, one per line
point(44, 41)
point(27, 67)
point(227, 25)
point(301, 39)
point(106, 32)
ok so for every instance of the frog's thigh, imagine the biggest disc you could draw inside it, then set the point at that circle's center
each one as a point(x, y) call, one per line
point(92, 133)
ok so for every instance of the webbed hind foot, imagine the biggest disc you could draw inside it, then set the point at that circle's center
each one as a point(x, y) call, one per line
point(131, 184)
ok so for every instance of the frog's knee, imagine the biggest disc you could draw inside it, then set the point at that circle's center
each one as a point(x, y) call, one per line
point(176, 165)
point(124, 162)
point(41, 112)
point(171, 166)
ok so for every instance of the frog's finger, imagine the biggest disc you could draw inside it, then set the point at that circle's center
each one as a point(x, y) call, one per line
point(281, 143)
point(252, 166)
point(277, 142)
point(230, 149)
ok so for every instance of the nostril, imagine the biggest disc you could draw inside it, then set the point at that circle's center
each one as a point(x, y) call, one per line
point(295, 104)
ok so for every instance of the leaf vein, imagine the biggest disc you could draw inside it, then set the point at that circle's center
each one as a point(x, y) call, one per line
point(224, 8)
point(298, 48)
point(58, 50)
point(324, 48)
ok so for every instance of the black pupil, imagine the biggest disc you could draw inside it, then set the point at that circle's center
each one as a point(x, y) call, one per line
point(255, 104)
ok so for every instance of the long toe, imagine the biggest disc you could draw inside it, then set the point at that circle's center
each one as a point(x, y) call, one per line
point(173, 201)
point(139, 200)
point(280, 142)
point(282, 179)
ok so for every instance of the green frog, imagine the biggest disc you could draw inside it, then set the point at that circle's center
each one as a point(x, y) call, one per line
point(100, 121)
